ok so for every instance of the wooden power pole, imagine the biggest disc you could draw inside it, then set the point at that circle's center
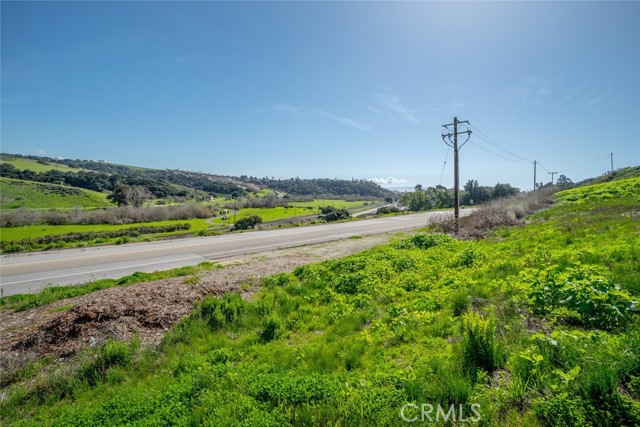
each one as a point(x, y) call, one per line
point(456, 174)
point(552, 173)
point(535, 162)
point(611, 162)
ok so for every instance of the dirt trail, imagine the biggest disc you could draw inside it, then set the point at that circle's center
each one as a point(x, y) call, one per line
point(148, 309)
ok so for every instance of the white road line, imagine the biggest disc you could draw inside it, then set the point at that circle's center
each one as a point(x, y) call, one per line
point(103, 270)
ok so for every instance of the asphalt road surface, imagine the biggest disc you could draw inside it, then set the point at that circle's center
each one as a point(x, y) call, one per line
point(27, 273)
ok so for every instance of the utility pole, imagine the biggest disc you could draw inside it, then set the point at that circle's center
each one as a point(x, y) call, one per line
point(535, 162)
point(456, 174)
point(552, 173)
point(611, 162)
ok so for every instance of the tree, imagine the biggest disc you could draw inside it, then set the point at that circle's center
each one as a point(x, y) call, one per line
point(504, 190)
point(118, 196)
point(124, 195)
point(564, 182)
point(247, 222)
point(137, 195)
point(329, 213)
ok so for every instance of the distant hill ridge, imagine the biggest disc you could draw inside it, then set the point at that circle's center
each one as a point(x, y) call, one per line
point(103, 176)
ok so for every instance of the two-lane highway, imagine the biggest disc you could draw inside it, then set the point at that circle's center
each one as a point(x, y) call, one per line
point(25, 273)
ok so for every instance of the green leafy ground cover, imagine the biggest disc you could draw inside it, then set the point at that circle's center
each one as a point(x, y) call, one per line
point(536, 325)
point(16, 193)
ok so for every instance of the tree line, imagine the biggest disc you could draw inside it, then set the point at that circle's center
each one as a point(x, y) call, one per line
point(440, 197)
point(342, 187)
point(164, 183)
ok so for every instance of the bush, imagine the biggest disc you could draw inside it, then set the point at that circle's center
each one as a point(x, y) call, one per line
point(247, 222)
point(270, 331)
point(330, 214)
point(479, 350)
point(387, 210)
point(582, 294)
point(218, 312)
point(424, 241)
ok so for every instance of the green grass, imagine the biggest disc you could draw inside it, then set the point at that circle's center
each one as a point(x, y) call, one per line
point(56, 293)
point(428, 320)
point(13, 234)
point(15, 193)
point(34, 165)
point(296, 209)
point(337, 203)
point(198, 226)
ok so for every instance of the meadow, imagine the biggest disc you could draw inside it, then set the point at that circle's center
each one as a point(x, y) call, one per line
point(34, 165)
point(16, 194)
point(21, 238)
point(293, 210)
point(535, 325)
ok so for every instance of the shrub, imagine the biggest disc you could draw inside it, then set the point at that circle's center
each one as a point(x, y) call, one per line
point(270, 331)
point(330, 214)
point(247, 222)
point(424, 241)
point(387, 210)
point(220, 311)
point(583, 294)
point(479, 350)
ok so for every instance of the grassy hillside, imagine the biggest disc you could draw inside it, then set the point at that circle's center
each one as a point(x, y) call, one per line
point(535, 325)
point(35, 165)
point(27, 194)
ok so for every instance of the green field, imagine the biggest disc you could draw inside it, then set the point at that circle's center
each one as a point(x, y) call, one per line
point(34, 165)
point(16, 193)
point(198, 226)
point(11, 234)
point(336, 203)
point(536, 325)
point(295, 209)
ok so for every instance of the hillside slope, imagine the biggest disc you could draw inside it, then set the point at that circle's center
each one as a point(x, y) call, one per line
point(172, 183)
point(37, 195)
point(535, 325)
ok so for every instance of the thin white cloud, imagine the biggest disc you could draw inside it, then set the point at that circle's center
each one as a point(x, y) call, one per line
point(389, 181)
point(190, 60)
point(299, 111)
point(598, 99)
point(391, 103)
point(456, 104)
point(41, 151)
point(296, 111)
point(531, 89)
point(344, 120)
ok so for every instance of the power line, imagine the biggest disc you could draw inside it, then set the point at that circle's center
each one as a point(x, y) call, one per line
point(498, 146)
point(443, 166)
point(498, 155)
point(585, 164)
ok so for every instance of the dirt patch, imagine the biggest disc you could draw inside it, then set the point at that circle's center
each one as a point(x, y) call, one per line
point(148, 310)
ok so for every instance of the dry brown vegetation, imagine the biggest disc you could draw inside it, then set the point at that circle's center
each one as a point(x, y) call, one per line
point(496, 213)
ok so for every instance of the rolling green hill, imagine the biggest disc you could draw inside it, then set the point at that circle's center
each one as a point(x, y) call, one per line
point(38, 195)
point(23, 163)
point(173, 183)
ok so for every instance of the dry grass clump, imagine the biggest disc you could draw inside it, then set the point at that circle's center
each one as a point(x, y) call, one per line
point(496, 213)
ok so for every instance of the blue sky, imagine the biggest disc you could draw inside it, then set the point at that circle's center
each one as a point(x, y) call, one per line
point(325, 89)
